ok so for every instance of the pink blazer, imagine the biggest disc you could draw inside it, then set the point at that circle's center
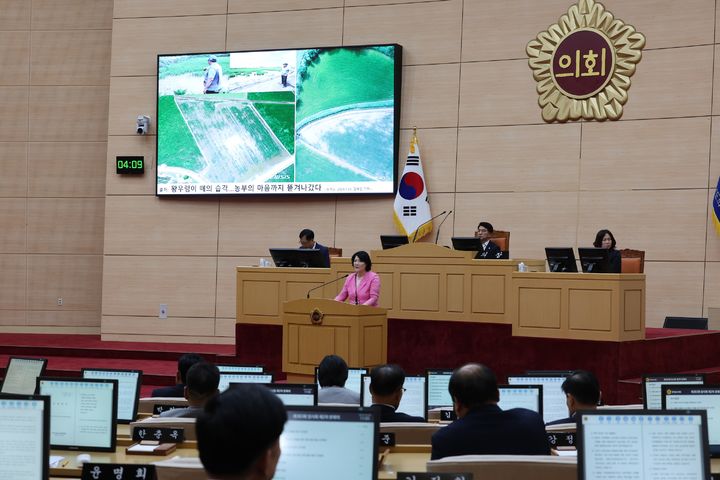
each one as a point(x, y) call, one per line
point(367, 294)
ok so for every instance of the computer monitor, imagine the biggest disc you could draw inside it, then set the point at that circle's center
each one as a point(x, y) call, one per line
point(646, 445)
point(521, 396)
point(413, 402)
point(294, 394)
point(436, 384)
point(24, 436)
point(392, 241)
point(354, 380)
point(21, 375)
point(561, 259)
point(467, 244)
point(226, 378)
point(129, 382)
point(241, 368)
point(563, 373)
point(298, 257)
point(594, 260)
point(554, 401)
point(652, 383)
point(83, 412)
point(328, 443)
point(697, 397)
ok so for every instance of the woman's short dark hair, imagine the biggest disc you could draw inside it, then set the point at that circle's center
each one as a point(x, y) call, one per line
point(599, 238)
point(332, 371)
point(363, 256)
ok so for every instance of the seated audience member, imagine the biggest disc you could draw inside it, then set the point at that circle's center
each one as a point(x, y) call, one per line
point(184, 363)
point(238, 433)
point(332, 375)
point(386, 388)
point(582, 391)
point(307, 241)
point(202, 385)
point(605, 239)
point(362, 287)
point(482, 428)
point(489, 249)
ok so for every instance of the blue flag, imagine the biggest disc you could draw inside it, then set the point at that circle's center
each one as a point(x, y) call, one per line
point(716, 208)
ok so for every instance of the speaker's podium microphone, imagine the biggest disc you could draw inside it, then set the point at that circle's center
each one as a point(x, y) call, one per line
point(437, 235)
point(425, 223)
point(326, 283)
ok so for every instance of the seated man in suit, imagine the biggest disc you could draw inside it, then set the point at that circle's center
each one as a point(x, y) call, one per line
point(307, 240)
point(582, 392)
point(238, 433)
point(184, 363)
point(489, 249)
point(332, 375)
point(202, 385)
point(386, 388)
point(482, 428)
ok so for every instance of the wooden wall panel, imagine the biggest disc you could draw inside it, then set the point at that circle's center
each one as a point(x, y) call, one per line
point(716, 82)
point(14, 58)
point(14, 231)
point(519, 158)
point(77, 279)
point(296, 29)
point(130, 184)
point(155, 326)
point(252, 6)
point(136, 286)
point(72, 14)
point(712, 286)
point(249, 226)
point(13, 158)
point(139, 40)
point(76, 57)
point(144, 225)
point(671, 83)
point(13, 282)
point(12, 319)
point(640, 220)
point(226, 283)
point(225, 327)
point(429, 32)
point(130, 97)
point(712, 253)
point(353, 3)
point(429, 97)
point(652, 154)
point(15, 14)
point(70, 319)
point(65, 225)
point(68, 114)
point(14, 114)
point(438, 151)
point(714, 153)
point(168, 8)
point(360, 221)
point(672, 289)
point(66, 169)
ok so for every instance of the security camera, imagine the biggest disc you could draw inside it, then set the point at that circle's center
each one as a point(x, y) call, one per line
point(143, 124)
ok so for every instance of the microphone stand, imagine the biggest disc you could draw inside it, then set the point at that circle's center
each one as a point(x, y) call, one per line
point(437, 235)
point(425, 223)
point(326, 283)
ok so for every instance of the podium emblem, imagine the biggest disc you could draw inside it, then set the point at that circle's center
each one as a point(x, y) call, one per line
point(316, 316)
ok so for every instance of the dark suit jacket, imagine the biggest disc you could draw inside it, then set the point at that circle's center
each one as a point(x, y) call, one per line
point(491, 252)
point(325, 252)
point(488, 430)
point(614, 261)
point(388, 414)
point(174, 391)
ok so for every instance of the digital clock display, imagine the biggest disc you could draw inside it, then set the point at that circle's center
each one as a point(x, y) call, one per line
point(129, 165)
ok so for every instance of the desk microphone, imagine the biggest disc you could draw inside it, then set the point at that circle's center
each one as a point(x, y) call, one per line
point(425, 223)
point(437, 234)
point(326, 283)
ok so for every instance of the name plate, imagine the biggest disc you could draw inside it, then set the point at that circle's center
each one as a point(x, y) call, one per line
point(162, 435)
point(159, 408)
point(386, 439)
point(561, 439)
point(118, 471)
point(433, 476)
point(447, 415)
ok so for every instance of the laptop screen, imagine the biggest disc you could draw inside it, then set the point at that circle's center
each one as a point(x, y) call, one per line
point(241, 368)
point(413, 401)
point(697, 397)
point(437, 388)
point(21, 375)
point(24, 436)
point(644, 445)
point(295, 394)
point(652, 395)
point(82, 412)
point(328, 443)
point(227, 378)
point(353, 381)
point(521, 396)
point(553, 398)
point(128, 390)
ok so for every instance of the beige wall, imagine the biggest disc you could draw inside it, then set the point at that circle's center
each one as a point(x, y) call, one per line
point(467, 88)
point(54, 86)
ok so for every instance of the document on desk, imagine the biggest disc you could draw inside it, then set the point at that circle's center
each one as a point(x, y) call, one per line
point(21, 440)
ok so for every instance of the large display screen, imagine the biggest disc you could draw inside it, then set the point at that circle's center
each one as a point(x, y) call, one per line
point(319, 120)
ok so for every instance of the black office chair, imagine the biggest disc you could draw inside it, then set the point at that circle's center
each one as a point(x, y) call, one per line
point(689, 323)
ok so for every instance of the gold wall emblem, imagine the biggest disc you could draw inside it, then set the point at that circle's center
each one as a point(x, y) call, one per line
point(583, 64)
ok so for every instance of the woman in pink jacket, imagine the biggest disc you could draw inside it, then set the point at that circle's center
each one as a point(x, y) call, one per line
point(362, 287)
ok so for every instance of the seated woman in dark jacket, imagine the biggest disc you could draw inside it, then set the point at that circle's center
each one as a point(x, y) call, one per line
point(605, 239)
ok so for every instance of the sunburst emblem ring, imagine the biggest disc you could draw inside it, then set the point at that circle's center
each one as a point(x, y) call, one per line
point(583, 64)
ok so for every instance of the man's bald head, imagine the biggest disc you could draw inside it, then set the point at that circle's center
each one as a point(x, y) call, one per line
point(473, 385)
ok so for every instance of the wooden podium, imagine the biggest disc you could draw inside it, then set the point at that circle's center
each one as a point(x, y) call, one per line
point(315, 327)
